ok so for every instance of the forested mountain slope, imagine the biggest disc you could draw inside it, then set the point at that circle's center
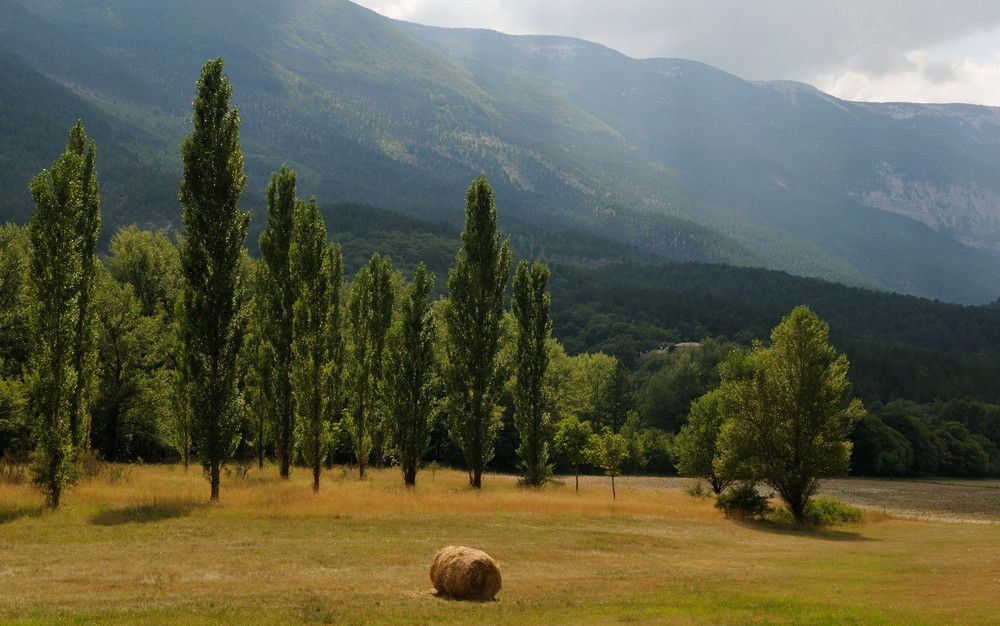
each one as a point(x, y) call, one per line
point(672, 156)
point(898, 346)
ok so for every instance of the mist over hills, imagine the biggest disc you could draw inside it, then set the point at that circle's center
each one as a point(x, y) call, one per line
point(674, 157)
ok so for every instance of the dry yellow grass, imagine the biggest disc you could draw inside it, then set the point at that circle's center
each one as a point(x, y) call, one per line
point(150, 549)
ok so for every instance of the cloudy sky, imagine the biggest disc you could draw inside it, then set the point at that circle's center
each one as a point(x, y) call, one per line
point(874, 50)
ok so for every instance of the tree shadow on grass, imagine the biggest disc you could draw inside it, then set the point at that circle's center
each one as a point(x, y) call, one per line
point(9, 513)
point(805, 530)
point(142, 513)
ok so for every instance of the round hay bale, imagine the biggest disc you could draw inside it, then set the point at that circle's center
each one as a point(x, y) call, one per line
point(465, 574)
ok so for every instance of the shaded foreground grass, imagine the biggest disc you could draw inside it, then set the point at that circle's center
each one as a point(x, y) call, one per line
point(151, 549)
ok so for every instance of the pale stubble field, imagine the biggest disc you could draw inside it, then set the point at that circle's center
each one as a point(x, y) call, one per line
point(149, 548)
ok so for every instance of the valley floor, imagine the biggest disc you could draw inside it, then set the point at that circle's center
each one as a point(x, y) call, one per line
point(143, 545)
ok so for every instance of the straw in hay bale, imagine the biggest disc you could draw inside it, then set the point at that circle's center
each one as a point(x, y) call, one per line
point(465, 573)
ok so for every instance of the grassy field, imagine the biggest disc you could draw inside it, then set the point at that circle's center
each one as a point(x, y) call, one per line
point(142, 545)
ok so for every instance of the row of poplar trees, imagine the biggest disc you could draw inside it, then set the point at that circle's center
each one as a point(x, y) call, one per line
point(316, 357)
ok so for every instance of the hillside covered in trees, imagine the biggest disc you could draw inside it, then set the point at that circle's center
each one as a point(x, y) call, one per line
point(672, 156)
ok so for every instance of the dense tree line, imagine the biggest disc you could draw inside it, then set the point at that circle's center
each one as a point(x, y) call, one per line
point(139, 410)
point(166, 348)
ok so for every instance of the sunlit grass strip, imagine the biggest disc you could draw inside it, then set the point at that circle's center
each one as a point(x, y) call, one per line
point(162, 491)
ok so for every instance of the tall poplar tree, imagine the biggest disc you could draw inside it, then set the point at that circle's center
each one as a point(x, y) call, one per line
point(275, 298)
point(61, 231)
point(214, 233)
point(259, 354)
point(411, 377)
point(530, 306)
point(473, 319)
point(88, 227)
point(369, 316)
point(318, 273)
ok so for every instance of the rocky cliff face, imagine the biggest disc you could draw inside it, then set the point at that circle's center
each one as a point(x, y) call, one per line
point(964, 209)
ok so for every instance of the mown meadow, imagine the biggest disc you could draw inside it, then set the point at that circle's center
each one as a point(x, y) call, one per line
point(142, 544)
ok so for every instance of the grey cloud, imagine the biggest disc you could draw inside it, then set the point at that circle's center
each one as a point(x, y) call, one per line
point(754, 39)
point(782, 38)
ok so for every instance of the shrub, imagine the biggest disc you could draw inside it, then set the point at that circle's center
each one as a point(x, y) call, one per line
point(827, 511)
point(238, 469)
point(697, 489)
point(13, 469)
point(90, 464)
point(117, 472)
point(743, 502)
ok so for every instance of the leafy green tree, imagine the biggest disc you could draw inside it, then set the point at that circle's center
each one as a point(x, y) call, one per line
point(789, 411)
point(696, 446)
point(15, 338)
point(148, 263)
point(579, 391)
point(572, 440)
point(275, 295)
point(132, 405)
point(411, 377)
point(57, 270)
point(962, 454)
point(636, 460)
point(879, 450)
point(925, 445)
point(980, 418)
point(473, 317)
point(616, 398)
point(369, 316)
point(214, 232)
point(15, 430)
point(151, 264)
point(684, 376)
point(15, 306)
point(530, 306)
point(558, 377)
point(318, 274)
point(657, 448)
point(180, 437)
point(608, 451)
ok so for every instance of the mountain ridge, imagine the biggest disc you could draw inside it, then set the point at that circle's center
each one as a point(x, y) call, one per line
point(675, 156)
